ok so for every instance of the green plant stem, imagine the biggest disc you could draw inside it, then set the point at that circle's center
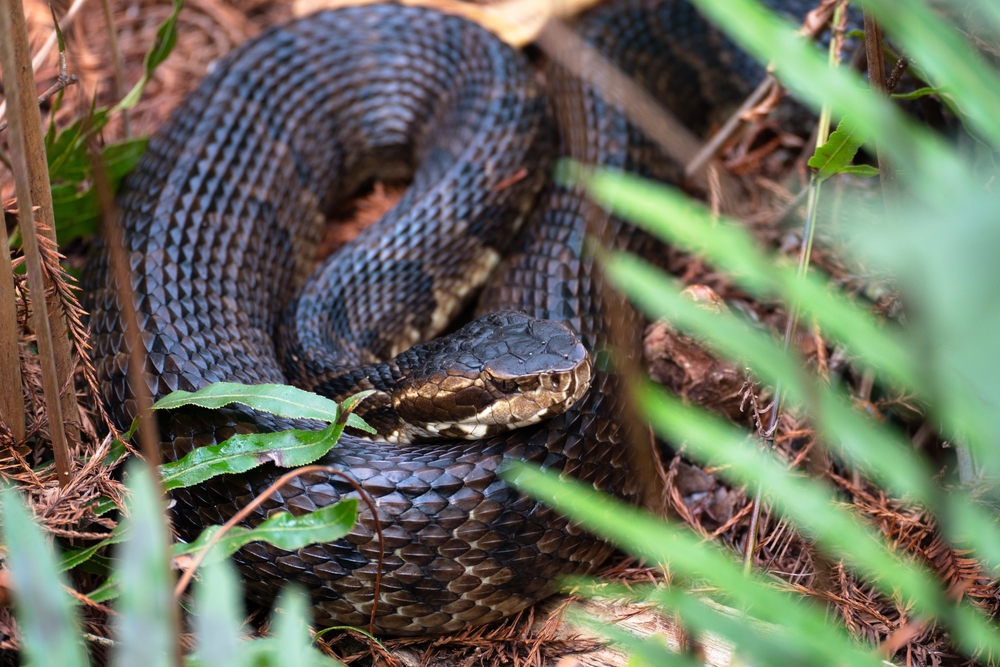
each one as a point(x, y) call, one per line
point(116, 59)
point(805, 252)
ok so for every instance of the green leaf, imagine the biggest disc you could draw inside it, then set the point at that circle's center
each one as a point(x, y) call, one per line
point(59, 148)
point(279, 399)
point(120, 157)
point(839, 150)
point(76, 213)
point(163, 44)
point(688, 556)
point(218, 617)
point(671, 216)
point(76, 557)
point(60, 39)
point(110, 589)
point(283, 530)
point(916, 94)
point(50, 629)
point(286, 449)
point(861, 170)
point(878, 451)
point(291, 626)
point(812, 508)
point(354, 421)
point(144, 628)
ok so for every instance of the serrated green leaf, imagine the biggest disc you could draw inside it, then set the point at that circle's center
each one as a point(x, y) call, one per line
point(286, 449)
point(839, 150)
point(357, 422)
point(103, 505)
point(352, 401)
point(278, 399)
point(76, 557)
point(50, 629)
point(283, 530)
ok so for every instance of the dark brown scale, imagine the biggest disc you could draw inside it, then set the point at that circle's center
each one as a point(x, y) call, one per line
point(222, 216)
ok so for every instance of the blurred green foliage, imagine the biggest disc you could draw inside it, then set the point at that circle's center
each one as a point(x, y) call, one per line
point(940, 246)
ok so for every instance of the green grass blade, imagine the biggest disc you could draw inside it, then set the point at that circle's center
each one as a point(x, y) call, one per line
point(218, 617)
point(651, 652)
point(291, 644)
point(766, 644)
point(291, 626)
point(676, 219)
point(812, 508)
point(50, 629)
point(878, 451)
point(282, 530)
point(144, 626)
point(286, 449)
point(662, 542)
point(279, 399)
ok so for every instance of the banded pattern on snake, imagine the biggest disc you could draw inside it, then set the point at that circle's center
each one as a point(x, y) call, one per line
point(224, 211)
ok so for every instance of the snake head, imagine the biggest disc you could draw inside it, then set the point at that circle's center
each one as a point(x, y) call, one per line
point(501, 371)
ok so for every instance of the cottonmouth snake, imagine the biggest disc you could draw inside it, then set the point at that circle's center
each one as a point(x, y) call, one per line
point(224, 211)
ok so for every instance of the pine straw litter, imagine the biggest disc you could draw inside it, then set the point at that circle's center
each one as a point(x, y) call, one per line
point(768, 162)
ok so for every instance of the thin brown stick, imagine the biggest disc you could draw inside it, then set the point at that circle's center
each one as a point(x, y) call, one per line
point(876, 79)
point(30, 124)
point(730, 128)
point(583, 61)
point(118, 82)
point(188, 574)
point(149, 439)
point(14, 52)
point(49, 44)
point(814, 23)
point(11, 396)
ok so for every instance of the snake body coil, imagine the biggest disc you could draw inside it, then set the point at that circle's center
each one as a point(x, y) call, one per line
point(222, 216)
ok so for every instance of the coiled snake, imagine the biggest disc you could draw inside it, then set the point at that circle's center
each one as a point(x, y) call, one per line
point(222, 216)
